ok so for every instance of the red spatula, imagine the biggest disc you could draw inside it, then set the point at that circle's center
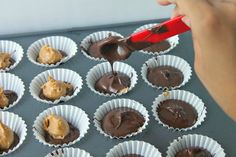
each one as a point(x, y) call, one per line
point(121, 49)
point(161, 32)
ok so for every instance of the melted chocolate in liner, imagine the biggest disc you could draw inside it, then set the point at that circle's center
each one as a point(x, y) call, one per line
point(112, 83)
point(161, 46)
point(12, 61)
point(193, 152)
point(11, 96)
point(63, 53)
point(57, 153)
point(73, 135)
point(69, 92)
point(177, 113)
point(132, 155)
point(109, 49)
point(95, 47)
point(122, 121)
point(15, 142)
point(165, 76)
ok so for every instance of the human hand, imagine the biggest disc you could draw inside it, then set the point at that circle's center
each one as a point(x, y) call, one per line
point(213, 25)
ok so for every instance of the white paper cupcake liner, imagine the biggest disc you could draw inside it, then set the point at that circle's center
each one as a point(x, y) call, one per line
point(185, 96)
point(101, 69)
point(97, 36)
point(16, 124)
point(14, 49)
point(134, 147)
point(194, 140)
point(118, 103)
point(167, 60)
point(74, 115)
point(174, 41)
point(69, 152)
point(14, 83)
point(65, 75)
point(64, 44)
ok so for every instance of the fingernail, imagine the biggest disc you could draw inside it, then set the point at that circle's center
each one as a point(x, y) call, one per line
point(187, 21)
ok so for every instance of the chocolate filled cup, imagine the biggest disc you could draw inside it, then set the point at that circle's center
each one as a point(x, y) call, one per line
point(166, 72)
point(12, 89)
point(11, 53)
point(134, 149)
point(68, 152)
point(179, 110)
point(161, 47)
point(65, 77)
point(102, 81)
point(53, 135)
point(121, 118)
point(194, 144)
point(13, 132)
point(91, 44)
point(64, 47)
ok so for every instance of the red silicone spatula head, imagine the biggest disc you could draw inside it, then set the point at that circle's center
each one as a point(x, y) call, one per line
point(161, 32)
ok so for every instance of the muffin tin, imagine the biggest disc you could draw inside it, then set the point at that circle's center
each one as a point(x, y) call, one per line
point(94, 142)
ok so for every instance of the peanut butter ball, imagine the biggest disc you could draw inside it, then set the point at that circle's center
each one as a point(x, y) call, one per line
point(6, 137)
point(4, 60)
point(3, 99)
point(49, 55)
point(54, 89)
point(56, 126)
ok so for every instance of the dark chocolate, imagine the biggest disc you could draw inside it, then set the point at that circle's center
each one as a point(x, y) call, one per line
point(177, 113)
point(112, 83)
point(12, 62)
point(193, 152)
point(110, 51)
point(159, 30)
point(165, 76)
point(132, 155)
point(120, 122)
point(14, 144)
point(73, 135)
point(11, 96)
point(69, 92)
point(96, 48)
point(161, 46)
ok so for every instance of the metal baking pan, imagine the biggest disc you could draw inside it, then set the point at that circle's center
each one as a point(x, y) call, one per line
point(216, 125)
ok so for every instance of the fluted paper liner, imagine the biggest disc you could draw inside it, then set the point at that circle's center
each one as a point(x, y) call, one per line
point(14, 49)
point(97, 36)
point(64, 75)
point(64, 44)
point(74, 115)
point(167, 60)
point(17, 125)
point(185, 96)
point(194, 140)
point(174, 41)
point(120, 103)
point(14, 83)
point(101, 69)
point(68, 152)
point(134, 147)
